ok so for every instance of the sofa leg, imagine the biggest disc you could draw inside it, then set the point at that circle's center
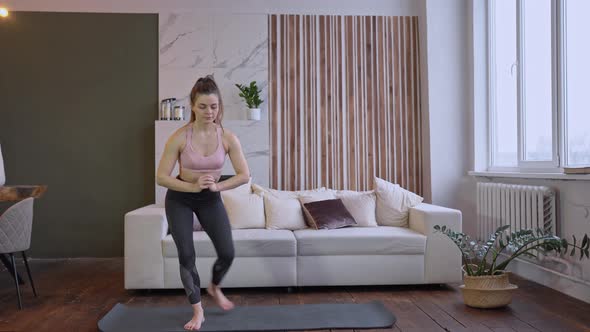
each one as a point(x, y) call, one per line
point(291, 289)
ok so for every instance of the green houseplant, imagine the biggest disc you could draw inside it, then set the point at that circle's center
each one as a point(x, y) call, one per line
point(486, 280)
point(251, 95)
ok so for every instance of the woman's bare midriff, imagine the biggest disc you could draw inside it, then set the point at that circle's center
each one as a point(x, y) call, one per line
point(193, 176)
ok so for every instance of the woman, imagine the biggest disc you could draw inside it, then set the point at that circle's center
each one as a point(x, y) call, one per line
point(200, 148)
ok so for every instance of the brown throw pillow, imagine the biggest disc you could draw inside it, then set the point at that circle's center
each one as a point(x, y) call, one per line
point(327, 214)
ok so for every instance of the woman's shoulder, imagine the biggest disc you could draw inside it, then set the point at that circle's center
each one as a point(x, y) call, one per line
point(229, 139)
point(178, 136)
point(227, 134)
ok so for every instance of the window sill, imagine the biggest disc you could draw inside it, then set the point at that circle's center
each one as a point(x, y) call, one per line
point(523, 175)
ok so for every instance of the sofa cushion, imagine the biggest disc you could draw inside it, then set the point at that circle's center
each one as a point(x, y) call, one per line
point(244, 209)
point(283, 213)
point(393, 203)
point(313, 197)
point(284, 193)
point(327, 214)
point(361, 205)
point(245, 188)
point(381, 240)
point(247, 243)
point(282, 208)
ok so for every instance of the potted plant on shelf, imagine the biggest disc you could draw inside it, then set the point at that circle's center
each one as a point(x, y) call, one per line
point(485, 276)
point(251, 95)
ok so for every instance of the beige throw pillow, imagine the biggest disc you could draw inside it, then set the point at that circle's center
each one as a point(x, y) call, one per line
point(244, 210)
point(245, 188)
point(393, 203)
point(282, 207)
point(284, 193)
point(361, 205)
point(283, 213)
point(316, 196)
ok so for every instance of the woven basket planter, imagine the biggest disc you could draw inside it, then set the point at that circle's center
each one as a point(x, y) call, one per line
point(487, 282)
point(487, 291)
point(487, 298)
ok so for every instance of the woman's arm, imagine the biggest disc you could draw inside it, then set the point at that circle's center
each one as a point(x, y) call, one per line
point(238, 162)
point(167, 163)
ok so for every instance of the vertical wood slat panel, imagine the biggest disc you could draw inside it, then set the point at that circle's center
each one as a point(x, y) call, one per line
point(340, 107)
point(296, 103)
point(410, 165)
point(344, 96)
point(362, 110)
point(350, 99)
point(370, 87)
point(389, 114)
point(398, 143)
point(411, 121)
point(415, 104)
point(291, 155)
point(322, 109)
point(283, 96)
point(418, 109)
point(355, 146)
point(307, 95)
point(382, 95)
point(404, 102)
point(328, 99)
point(272, 95)
point(316, 92)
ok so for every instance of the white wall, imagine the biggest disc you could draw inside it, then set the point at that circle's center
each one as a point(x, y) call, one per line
point(194, 44)
point(447, 104)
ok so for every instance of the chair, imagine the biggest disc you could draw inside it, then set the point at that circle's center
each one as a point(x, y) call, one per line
point(15, 235)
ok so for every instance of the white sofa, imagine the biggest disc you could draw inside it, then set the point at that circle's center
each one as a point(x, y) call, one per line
point(303, 257)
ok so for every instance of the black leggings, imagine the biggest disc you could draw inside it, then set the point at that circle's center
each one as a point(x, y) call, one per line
point(208, 207)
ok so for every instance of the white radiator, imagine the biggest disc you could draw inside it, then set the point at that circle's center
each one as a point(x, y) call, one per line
point(520, 206)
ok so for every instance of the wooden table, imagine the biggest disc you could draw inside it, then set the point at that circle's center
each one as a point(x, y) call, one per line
point(20, 192)
point(16, 193)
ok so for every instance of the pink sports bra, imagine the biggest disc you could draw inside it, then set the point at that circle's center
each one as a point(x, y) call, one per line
point(192, 160)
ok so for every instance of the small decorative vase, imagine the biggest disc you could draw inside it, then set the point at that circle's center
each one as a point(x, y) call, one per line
point(254, 114)
point(488, 291)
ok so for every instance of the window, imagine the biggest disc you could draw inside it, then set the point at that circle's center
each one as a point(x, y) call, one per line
point(538, 115)
point(577, 71)
point(504, 75)
point(536, 70)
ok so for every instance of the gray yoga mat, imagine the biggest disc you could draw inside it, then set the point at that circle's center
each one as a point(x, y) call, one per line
point(251, 318)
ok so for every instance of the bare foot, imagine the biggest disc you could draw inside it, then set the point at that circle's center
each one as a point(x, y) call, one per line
point(197, 320)
point(219, 298)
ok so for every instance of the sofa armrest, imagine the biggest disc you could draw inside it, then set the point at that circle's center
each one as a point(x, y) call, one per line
point(442, 259)
point(144, 262)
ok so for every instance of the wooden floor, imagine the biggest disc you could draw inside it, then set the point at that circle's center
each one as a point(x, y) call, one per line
point(74, 294)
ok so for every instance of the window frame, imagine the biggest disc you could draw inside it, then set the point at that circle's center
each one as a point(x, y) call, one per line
point(558, 88)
